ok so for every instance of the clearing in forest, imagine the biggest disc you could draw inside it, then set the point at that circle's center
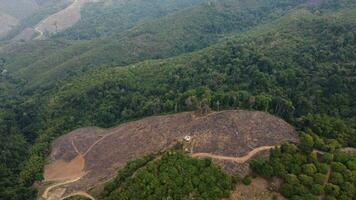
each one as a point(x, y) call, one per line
point(94, 155)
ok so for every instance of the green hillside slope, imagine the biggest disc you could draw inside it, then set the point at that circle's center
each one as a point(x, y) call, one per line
point(181, 32)
point(111, 17)
point(287, 69)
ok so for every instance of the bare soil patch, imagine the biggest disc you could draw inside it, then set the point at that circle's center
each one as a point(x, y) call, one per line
point(226, 134)
point(60, 170)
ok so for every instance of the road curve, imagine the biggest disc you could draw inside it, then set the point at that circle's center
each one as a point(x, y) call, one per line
point(235, 159)
point(75, 6)
point(84, 194)
point(45, 193)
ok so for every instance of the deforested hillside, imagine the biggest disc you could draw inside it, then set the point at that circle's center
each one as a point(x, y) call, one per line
point(303, 73)
point(29, 13)
point(232, 134)
point(183, 31)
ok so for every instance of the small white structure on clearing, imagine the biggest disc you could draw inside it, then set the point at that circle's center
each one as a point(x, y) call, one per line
point(187, 138)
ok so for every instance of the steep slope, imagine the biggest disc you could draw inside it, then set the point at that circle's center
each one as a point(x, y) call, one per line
point(95, 154)
point(183, 31)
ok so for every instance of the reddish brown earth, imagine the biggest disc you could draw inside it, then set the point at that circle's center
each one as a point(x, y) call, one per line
point(224, 134)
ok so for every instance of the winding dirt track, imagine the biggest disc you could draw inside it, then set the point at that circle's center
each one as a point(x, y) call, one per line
point(40, 33)
point(88, 157)
point(235, 159)
point(80, 194)
point(46, 192)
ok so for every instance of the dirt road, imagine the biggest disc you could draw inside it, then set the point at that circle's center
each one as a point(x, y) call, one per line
point(46, 192)
point(235, 159)
point(106, 150)
point(84, 194)
point(61, 20)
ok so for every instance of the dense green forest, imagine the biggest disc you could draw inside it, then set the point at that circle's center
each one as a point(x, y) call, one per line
point(309, 174)
point(174, 176)
point(165, 37)
point(293, 60)
point(107, 18)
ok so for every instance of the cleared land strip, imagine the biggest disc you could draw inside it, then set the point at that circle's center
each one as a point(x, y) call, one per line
point(235, 159)
point(61, 20)
point(79, 193)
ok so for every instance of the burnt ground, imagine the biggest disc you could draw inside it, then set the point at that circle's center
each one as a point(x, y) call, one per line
point(227, 133)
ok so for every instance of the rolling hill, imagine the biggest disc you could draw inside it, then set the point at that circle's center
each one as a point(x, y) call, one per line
point(95, 154)
point(106, 18)
point(165, 37)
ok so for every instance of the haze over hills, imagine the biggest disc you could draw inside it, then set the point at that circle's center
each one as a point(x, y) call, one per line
point(18, 9)
point(28, 13)
point(127, 60)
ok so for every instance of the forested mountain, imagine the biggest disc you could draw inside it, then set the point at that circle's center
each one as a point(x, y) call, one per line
point(294, 59)
point(165, 37)
point(111, 17)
